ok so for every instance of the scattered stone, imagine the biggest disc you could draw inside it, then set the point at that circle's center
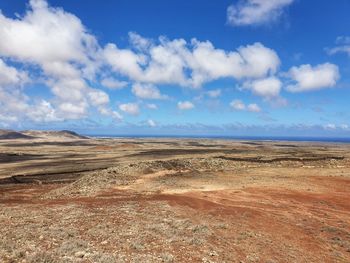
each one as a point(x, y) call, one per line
point(79, 254)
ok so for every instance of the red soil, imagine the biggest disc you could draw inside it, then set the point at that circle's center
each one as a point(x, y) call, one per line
point(272, 223)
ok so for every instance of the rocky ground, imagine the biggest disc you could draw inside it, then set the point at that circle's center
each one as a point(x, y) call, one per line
point(156, 200)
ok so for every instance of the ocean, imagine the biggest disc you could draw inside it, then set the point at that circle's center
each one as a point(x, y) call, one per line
point(245, 138)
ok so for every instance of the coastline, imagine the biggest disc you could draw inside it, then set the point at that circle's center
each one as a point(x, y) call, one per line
point(341, 140)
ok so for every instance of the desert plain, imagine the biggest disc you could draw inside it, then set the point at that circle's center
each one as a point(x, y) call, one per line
point(66, 198)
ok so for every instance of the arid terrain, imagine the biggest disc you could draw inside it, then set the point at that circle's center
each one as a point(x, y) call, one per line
point(66, 198)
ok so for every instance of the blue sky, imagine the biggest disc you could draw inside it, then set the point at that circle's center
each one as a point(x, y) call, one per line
point(248, 67)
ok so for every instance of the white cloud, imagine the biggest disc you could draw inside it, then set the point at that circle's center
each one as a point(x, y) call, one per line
point(169, 61)
point(108, 112)
point(147, 91)
point(256, 12)
point(151, 123)
point(330, 126)
point(343, 46)
point(57, 43)
point(124, 61)
point(73, 110)
point(268, 88)
point(61, 69)
point(344, 127)
point(252, 61)
point(5, 120)
point(253, 108)
point(44, 35)
point(239, 105)
point(11, 76)
point(214, 93)
point(185, 105)
point(343, 40)
point(340, 49)
point(59, 52)
point(130, 108)
point(117, 115)
point(43, 112)
point(161, 64)
point(98, 97)
point(14, 104)
point(112, 83)
point(166, 62)
point(152, 106)
point(72, 90)
point(139, 42)
point(308, 78)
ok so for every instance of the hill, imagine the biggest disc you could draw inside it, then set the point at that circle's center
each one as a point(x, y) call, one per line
point(31, 134)
point(9, 134)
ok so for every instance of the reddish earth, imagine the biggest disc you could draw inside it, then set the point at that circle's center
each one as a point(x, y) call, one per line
point(255, 224)
point(174, 201)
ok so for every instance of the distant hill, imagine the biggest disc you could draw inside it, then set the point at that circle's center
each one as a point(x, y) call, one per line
point(9, 134)
point(57, 134)
point(72, 134)
point(31, 134)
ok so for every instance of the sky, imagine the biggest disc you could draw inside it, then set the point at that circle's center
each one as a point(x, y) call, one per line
point(161, 67)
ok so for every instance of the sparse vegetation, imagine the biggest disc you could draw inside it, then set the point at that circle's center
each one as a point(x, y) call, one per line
point(199, 208)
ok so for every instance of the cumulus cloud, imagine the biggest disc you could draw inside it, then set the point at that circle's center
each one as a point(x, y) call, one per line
point(214, 93)
point(43, 112)
point(239, 105)
point(58, 43)
point(151, 123)
point(159, 64)
point(343, 46)
point(330, 126)
point(308, 78)
point(116, 115)
point(344, 127)
point(168, 62)
point(147, 91)
point(256, 12)
point(139, 42)
point(62, 54)
point(13, 105)
point(58, 51)
point(6, 119)
point(268, 88)
point(100, 100)
point(253, 108)
point(10, 76)
point(152, 106)
point(98, 97)
point(113, 84)
point(333, 127)
point(185, 105)
point(112, 113)
point(46, 35)
point(13, 102)
point(251, 61)
point(73, 110)
point(130, 108)
point(124, 61)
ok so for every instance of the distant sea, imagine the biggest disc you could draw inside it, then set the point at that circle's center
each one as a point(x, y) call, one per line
point(245, 138)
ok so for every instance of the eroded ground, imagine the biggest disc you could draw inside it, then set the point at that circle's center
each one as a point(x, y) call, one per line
point(168, 200)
